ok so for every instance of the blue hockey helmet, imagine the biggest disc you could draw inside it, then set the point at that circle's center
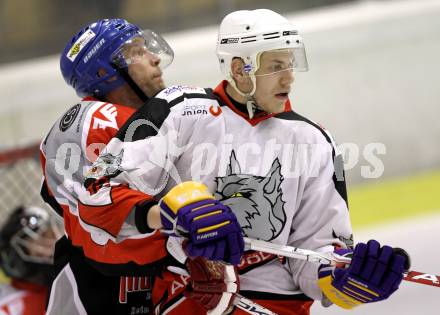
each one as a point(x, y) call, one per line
point(93, 61)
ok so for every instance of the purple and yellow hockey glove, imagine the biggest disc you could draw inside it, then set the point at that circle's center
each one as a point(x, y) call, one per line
point(373, 275)
point(212, 229)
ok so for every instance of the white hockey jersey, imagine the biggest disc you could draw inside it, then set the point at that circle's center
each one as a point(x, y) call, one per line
point(279, 173)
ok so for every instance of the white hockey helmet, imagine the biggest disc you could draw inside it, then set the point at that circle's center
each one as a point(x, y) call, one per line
point(246, 34)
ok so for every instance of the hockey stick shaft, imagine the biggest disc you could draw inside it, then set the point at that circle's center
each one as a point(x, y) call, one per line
point(328, 258)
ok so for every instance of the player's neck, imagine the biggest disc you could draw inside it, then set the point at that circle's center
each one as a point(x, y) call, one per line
point(124, 95)
point(233, 94)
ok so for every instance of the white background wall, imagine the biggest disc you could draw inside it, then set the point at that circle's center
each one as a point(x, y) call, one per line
point(373, 78)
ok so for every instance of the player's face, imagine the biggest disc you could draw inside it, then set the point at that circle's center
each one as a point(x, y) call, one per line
point(143, 67)
point(43, 246)
point(274, 80)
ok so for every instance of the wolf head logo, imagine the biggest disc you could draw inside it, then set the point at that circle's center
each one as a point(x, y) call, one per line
point(106, 165)
point(256, 200)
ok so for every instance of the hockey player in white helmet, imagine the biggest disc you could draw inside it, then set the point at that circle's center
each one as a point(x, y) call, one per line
point(249, 39)
point(279, 173)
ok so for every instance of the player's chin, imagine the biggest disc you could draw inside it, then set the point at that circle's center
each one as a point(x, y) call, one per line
point(155, 88)
point(277, 106)
point(159, 83)
point(162, 85)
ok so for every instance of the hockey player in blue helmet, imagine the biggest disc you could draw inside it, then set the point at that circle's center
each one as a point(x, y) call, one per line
point(115, 67)
point(109, 259)
point(116, 61)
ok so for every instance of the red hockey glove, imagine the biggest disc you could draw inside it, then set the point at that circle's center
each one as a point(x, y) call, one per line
point(213, 284)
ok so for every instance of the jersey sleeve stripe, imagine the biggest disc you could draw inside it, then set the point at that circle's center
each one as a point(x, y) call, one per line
point(122, 198)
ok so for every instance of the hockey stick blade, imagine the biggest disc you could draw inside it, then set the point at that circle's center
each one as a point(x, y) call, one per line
point(328, 258)
point(250, 306)
point(422, 278)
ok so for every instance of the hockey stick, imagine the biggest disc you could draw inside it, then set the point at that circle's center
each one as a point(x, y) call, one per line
point(250, 306)
point(328, 258)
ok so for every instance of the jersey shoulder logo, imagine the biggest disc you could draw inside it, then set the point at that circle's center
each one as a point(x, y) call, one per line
point(69, 117)
point(103, 169)
point(257, 201)
point(215, 111)
point(108, 118)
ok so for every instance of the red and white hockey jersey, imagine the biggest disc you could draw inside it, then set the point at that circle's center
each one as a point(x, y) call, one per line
point(280, 174)
point(22, 298)
point(109, 266)
point(68, 151)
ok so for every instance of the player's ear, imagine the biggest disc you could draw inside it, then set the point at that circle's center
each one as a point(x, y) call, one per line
point(101, 72)
point(240, 77)
point(237, 72)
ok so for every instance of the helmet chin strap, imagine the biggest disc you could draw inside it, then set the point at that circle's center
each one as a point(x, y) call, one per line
point(134, 86)
point(251, 104)
point(136, 89)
